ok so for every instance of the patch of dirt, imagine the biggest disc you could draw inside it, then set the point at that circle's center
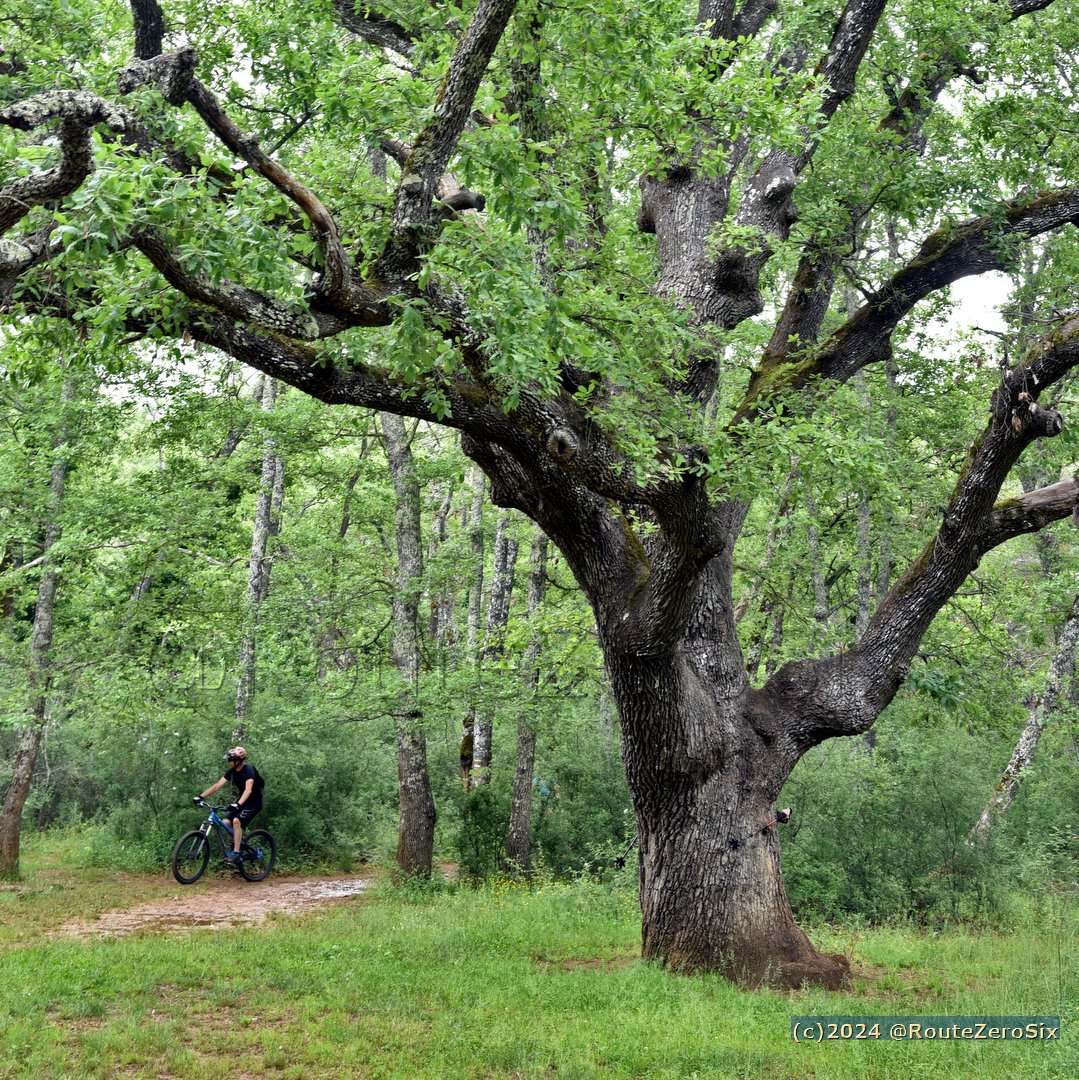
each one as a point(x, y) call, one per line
point(217, 903)
point(580, 963)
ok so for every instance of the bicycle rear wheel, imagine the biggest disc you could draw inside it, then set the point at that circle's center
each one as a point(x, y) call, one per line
point(257, 854)
point(190, 856)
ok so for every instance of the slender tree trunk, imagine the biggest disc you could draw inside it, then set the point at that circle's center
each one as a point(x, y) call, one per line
point(475, 585)
point(266, 526)
point(40, 648)
point(416, 824)
point(474, 614)
point(498, 613)
point(1061, 669)
point(519, 833)
point(442, 608)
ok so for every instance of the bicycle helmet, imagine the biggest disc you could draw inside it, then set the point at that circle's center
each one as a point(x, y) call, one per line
point(236, 753)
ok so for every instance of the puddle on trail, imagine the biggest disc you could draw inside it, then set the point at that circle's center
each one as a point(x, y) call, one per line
point(213, 904)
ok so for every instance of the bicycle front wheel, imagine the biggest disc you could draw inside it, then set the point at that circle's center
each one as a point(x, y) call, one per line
point(189, 857)
point(257, 854)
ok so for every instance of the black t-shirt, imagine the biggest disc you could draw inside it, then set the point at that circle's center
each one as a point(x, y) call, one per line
point(239, 781)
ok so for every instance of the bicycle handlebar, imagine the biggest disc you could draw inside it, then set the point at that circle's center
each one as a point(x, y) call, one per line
point(198, 800)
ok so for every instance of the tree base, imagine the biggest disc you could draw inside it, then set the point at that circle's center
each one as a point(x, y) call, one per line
point(829, 971)
point(783, 960)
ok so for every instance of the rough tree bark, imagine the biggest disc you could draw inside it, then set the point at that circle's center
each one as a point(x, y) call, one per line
point(39, 680)
point(706, 752)
point(416, 823)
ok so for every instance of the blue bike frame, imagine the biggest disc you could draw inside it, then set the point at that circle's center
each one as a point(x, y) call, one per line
point(224, 830)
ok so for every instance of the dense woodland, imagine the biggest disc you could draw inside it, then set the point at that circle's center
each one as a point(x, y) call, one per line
point(152, 539)
point(655, 487)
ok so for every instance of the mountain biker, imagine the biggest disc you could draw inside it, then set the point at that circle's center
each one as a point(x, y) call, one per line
point(247, 782)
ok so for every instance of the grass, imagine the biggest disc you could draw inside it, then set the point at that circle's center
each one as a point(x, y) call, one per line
point(501, 982)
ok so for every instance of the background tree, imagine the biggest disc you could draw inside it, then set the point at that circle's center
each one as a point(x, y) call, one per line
point(773, 147)
point(271, 492)
point(41, 635)
point(416, 832)
point(519, 831)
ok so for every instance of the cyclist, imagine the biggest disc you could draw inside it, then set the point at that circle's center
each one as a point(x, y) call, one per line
point(248, 784)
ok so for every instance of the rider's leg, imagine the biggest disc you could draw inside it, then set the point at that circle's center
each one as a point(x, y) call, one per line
point(237, 834)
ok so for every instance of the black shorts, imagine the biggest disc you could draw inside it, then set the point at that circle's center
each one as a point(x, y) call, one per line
point(245, 815)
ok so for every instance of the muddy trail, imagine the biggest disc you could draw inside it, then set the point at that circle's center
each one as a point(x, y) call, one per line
point(216, 903)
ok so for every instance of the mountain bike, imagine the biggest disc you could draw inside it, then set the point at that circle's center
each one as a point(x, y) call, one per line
point(192, 851)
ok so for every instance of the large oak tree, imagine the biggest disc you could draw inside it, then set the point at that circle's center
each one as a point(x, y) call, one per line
point(679, 264)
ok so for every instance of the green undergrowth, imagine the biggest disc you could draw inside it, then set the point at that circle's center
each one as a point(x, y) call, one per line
point(503, 981)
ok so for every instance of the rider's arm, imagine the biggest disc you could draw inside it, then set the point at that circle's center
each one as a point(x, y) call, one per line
point(246, 792)
point(215, 787)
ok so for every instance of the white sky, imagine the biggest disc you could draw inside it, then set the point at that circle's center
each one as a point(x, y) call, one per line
point(978, 300)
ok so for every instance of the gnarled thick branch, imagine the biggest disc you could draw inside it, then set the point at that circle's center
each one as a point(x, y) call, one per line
point(431, 151)
point(950, 253)
point(811, 290)
point(232, 299)
point(724, 289)
point(79, 112)
point(848, 46)
point(174, 75)
point(753, 16)
point(1029, 512)
point(149, 21)
point(599, 543)
point(718, 15)
point(373, 27)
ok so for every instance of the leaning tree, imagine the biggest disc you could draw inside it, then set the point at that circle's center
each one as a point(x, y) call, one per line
point(681, 258)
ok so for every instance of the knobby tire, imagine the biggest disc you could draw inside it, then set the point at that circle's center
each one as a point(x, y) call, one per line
point(189, 857)
point(255, 867)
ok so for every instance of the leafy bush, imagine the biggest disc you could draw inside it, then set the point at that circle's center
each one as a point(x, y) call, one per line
point(883, 834)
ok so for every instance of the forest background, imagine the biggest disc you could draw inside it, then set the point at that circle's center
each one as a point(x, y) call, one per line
point(165, 470)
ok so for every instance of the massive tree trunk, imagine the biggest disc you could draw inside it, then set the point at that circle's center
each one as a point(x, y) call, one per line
point(416, 823)
point(40, 647)
point(712, 896)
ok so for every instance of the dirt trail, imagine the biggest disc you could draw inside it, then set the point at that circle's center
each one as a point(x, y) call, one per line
point(215, 903)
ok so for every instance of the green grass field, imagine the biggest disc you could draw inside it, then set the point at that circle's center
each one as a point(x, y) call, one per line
point(500, 982)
